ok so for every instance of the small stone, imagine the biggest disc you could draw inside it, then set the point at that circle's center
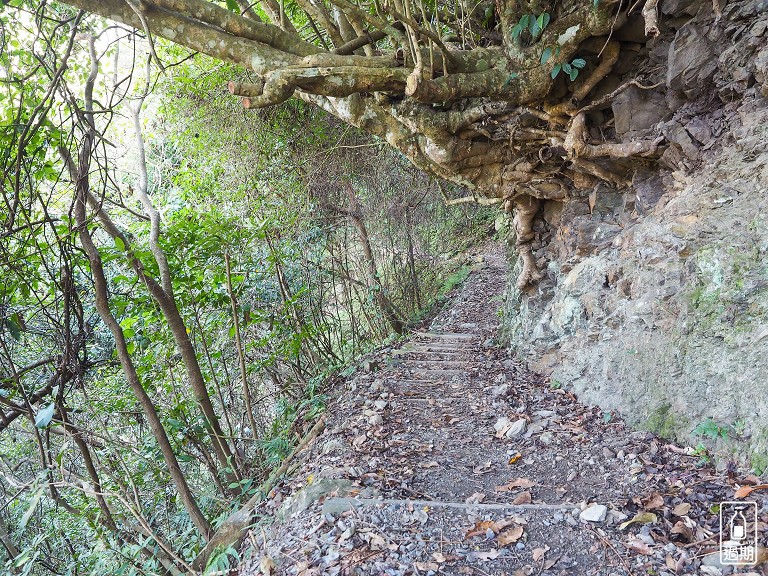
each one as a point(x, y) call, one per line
point(501, 424)
point(546, 438)
point(607, 452)
point(380, 404)
point(620, 455)
point(376, 420)
point(516, 429)
point(595, 513)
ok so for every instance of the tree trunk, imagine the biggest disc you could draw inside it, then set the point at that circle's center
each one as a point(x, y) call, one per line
point(355, 213)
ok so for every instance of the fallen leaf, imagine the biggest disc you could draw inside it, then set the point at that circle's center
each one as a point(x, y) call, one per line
point(639, 518)
point(682, 509)
point(549, 563)
point(539, 553)
point(427, 566)
point(522, 498)
point(515, 458)
point(518, 483)
point(685, 531)
point(670, 562)
point(653, 501)
point(484, 555)
point(639, 546)
point(267, 565)
point(745, 491)
point(476, 498)
point(510, 536)
point(431, 464)
point(481, 528)
point(438, 557)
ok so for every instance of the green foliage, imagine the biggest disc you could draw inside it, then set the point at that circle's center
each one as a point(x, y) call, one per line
point(712, 430)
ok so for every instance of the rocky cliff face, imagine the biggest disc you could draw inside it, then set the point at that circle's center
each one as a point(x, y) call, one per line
point(655, 302)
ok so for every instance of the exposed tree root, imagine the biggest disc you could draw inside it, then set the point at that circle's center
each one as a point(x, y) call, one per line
point(525, 208)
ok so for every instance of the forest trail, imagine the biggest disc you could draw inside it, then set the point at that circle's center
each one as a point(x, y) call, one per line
point(449, 457)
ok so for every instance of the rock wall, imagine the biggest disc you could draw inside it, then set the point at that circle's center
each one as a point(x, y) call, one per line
point(655, 302)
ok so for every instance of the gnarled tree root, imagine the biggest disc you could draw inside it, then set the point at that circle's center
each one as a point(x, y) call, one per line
point(525, 208)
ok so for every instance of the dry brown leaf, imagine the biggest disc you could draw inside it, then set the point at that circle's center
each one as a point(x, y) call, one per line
point(671, 562)
point(438, 557)
point(682, 509)
point(639, 518)
point(510, 536)
point(476, 498)
point(267, 565)
point(539, 553)
point(481, 528)
point(522, 498)
point(427, 566)
point(549, 563)
point(639, 546)
point(518, 483)
point(745, 491)
point(653, 501)
point(685, 531)
point(486, 555)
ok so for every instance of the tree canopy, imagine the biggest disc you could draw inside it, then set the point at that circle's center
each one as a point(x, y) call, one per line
point(492, 95)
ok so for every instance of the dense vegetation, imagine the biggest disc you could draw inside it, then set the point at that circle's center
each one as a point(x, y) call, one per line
point(181, 280)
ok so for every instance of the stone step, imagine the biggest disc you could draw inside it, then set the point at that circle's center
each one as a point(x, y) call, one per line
point(439, 374)
point(423, 347)
point(338, 505)
point(449, 336)
point(408, 363)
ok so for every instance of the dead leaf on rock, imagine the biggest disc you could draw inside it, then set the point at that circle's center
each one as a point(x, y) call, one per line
point(745, 491)
point(515, 458)
point(539, 553)
point(682, 509)
point(481, 528)
point(522, 498)
point(438, 557)
point(431, 464)
point(549, 563)
point(639, 518)
point(671, 562)
point(482, 556)
point(639, 546)
point(267, 565)
point(683, 530)
point(476, 498)
point(518, 483)
point(653, 501)
point(510, 536)
point(427, 566)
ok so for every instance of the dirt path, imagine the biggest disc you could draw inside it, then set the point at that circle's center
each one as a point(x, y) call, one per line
point(451, 458)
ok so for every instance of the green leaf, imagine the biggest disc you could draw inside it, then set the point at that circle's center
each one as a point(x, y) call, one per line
point(573, 74)
point(45, 416)
point(579, 63)
point(232, 5)
point(509, 79)
point(120, 244)
point(555, 71)
point(567, 68)
point(13, 328)
point(545, 18)
point(534, 28)
point(546, 55)
point(31, 510)
point(516, 30)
